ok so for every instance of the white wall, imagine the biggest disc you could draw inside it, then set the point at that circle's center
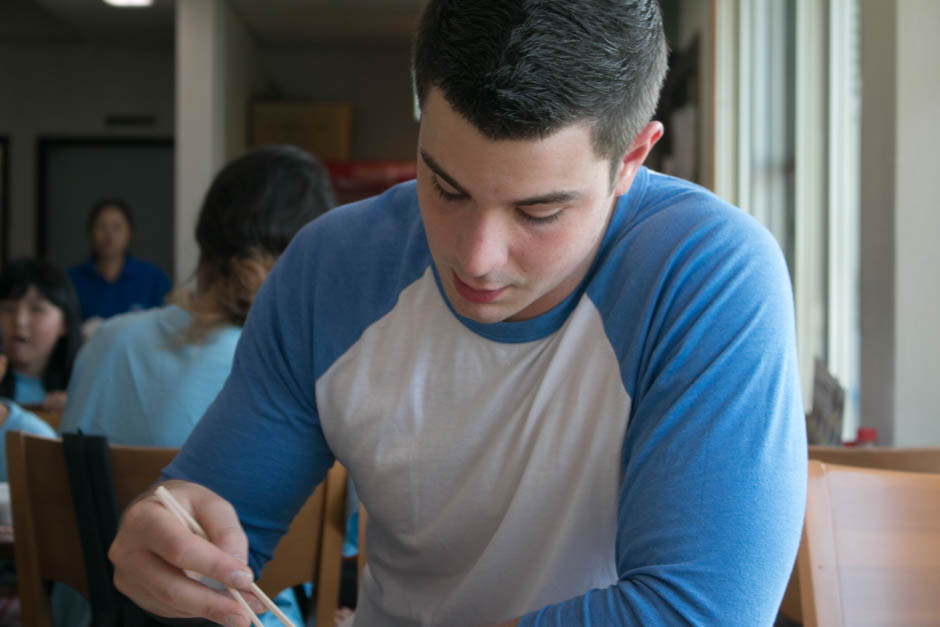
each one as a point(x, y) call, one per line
point(67, 89)
point(877, 207)
point(900, 291)
point(215, 74)
point(917, 223)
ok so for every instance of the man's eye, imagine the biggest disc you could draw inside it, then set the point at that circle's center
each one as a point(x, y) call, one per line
point(540, 220)
point(443, 193)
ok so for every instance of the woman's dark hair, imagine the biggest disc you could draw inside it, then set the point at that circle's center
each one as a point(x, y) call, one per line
point(53, 284)
point(522, 69)
point(254, 207)
point(106, 203)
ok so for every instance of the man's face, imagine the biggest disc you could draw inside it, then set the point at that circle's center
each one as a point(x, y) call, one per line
point(513, 225)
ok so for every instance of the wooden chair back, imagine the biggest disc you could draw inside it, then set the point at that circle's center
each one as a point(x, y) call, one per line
point(312, 548)
point(871, 547)
point(361, 558)
point(52, 417)
point(880, 457)
point(47, 546)
point(877, 457)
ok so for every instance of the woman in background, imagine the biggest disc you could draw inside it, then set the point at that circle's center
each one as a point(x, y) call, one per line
point(39, 321)
point(112, 281)
point(147, 378)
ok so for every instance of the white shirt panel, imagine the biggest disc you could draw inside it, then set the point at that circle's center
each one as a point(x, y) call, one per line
point(475, 443)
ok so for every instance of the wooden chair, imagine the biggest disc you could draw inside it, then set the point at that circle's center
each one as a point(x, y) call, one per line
point(878, 457)
point(52, 417)
point(871, 547)
point(47, 545)
point(361, 558)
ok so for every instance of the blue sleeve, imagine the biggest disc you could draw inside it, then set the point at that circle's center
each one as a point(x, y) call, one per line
point(714, 461)
point(260, 445)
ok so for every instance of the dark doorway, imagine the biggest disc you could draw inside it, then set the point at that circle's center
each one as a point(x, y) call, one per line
point(74, 173)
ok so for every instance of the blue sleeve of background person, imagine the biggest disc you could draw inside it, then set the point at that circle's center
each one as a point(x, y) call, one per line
point(714, 459)
point(260, 444)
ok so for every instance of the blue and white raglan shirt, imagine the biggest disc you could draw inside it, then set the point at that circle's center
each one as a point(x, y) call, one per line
point(635, 456)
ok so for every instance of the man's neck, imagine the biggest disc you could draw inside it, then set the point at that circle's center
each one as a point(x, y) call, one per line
point(4, 414)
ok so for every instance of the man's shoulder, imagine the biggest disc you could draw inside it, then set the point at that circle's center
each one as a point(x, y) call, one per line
point(679, 216)
point(395, 209)
point(372, 234)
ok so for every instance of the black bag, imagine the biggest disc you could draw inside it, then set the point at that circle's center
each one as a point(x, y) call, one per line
point(86, 457)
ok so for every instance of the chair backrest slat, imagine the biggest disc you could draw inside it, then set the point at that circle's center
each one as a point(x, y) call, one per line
point(925, 459)
point(871, 547)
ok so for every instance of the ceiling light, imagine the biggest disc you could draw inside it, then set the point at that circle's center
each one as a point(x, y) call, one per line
point(129, 3)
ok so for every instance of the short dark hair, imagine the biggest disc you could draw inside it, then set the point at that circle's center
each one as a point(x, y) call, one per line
point(521, 69)
point(54, 285)
point(106, 203)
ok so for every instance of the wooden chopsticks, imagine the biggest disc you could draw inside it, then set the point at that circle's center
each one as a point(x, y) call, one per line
point(183, 516)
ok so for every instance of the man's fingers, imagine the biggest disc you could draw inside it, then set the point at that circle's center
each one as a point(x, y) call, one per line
point(172, 540)
point(167, 593)
point(220, 522)
point(153, 548)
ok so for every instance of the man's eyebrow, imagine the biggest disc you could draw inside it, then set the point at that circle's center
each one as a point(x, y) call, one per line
point(551, 198)
point(438, 170)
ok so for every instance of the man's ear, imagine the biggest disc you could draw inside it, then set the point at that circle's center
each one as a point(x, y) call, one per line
point(636, 155)
point(3, 366)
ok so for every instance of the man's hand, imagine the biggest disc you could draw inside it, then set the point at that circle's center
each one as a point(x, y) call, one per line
point(152, 549)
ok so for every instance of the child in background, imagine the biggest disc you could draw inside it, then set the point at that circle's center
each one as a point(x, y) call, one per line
point(15, 418)
point(39, 323)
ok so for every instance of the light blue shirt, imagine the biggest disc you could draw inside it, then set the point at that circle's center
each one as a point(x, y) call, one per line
point(28, 390)
point(138, 383)
point(19, 420)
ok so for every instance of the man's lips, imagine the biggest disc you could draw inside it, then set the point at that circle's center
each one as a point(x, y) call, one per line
point(476, 295)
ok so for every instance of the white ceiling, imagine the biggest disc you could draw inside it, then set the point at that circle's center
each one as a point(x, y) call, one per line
point(273, 23)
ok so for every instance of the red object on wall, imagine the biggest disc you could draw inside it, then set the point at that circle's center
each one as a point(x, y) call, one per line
point(354, 180)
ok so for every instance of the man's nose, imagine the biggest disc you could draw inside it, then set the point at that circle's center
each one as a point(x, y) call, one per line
point(483, 243)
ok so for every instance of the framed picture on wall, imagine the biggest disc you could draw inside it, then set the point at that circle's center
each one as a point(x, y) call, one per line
point(4, 198)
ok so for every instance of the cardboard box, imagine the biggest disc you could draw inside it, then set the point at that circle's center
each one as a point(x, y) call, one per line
point(322, 128)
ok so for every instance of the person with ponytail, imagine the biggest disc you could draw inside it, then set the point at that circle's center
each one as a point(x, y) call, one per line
point(146, 378)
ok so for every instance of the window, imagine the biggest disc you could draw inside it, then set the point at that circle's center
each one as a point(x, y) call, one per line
point(787, 120)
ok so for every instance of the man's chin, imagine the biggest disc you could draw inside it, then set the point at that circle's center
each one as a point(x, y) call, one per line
point(484, 314)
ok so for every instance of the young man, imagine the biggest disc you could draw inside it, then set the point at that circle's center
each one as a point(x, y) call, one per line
point(565, 386)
